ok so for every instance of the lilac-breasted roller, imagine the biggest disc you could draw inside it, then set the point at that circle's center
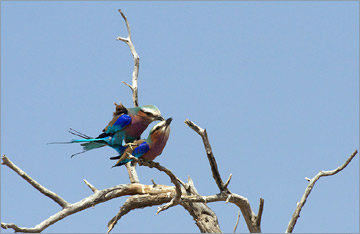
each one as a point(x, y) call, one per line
point(127, 125)
point(150, 148)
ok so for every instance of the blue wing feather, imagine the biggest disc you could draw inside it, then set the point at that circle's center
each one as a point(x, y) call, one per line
point(119, 124)
point(141, 149)
point(138, 152)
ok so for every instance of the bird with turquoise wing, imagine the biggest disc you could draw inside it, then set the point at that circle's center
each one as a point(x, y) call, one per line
point(126, 125)
point(148, 148)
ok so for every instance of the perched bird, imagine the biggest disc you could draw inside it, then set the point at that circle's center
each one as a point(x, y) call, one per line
point(130, 123)
point(147, 149)
point(127, 125)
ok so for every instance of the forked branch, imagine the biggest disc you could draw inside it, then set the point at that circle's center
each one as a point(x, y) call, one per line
point(128, 41)
point(146, 201)
point(253, 221)
point(310, 186)
point(173, 179)
point(134, 88)
point(136, 202)
point(210, 155)
point(149, 195)
point(98, 196)
point(56, 198)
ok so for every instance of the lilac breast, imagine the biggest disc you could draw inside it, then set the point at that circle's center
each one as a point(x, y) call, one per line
point(156, 148)
point(136, 128)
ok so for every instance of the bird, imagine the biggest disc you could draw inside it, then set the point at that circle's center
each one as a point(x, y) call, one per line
point(126, 125)
point(149, 148)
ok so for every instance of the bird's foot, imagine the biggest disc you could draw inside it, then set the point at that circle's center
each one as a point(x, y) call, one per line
point(131, 145)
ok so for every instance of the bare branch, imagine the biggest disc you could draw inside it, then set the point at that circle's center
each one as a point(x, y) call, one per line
point(173, 179)
point(99, 196)
point(225, 195)
point(127, 85)
point(209, 153)
point(150, 195)
point(127, 24)
point(92, 187)
point(134, 89)
point(131, 169)
point(308, 189)
point(56, 198)
point(240, 201)
point(237, 221)
point(18, 229)
point(228, 181)
point(182, 183)
point(228, 198)
point(204, 217)
point(128, 41)
point(135, 202)
point(261, 208)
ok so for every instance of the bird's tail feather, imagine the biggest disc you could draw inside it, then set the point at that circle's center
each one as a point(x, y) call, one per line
point(78, 153)
point(79, 134)
point(93, 145)
point(123, 162)
point(88, 143)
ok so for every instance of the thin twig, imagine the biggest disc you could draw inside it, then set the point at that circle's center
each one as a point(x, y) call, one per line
point(237, 221)
point(225, 193)
point(128, 41)
point(17, 228)
point(97, 197)
point(56, 198)
point(209, 153)
point(259, 215)
point(308, 189)
point(127, 84)
point(92, 187)
point(228, 181)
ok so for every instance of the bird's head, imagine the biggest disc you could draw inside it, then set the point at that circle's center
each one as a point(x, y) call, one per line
point(152, 112)
point(161, 130)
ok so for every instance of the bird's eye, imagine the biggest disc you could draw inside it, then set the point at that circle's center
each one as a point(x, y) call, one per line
point(156, 128)
point(148, 113)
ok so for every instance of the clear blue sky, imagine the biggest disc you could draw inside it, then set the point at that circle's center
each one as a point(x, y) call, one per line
point(276, 85)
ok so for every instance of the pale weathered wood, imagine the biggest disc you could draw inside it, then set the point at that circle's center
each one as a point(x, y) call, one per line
point(253, 222)
point(56, 198)
point(204, 217)
point(131, 167)
point(310, 186)
point(99, 196)
point(128, 41)
point(149, 195)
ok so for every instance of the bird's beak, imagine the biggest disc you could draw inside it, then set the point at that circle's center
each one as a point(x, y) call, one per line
point(168, 121)
point(160, 118)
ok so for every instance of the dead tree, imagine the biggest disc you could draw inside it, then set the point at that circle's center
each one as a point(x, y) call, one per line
point(181, 193)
